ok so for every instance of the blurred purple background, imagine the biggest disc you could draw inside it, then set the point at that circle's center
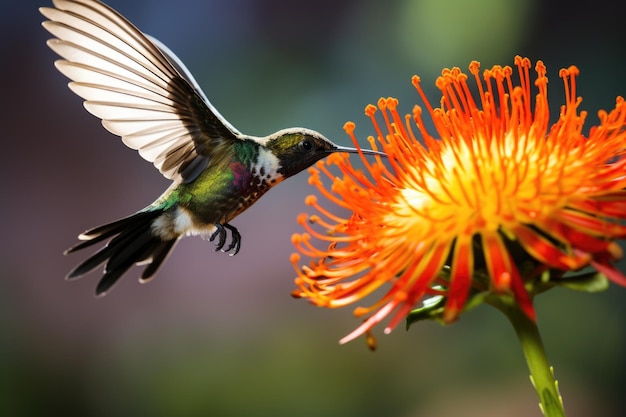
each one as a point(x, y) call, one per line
point(220, 335)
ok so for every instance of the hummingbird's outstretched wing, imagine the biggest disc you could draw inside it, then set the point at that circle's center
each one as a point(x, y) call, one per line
point(138, 87)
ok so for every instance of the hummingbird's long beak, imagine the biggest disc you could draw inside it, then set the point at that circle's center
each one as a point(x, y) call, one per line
point(355, 150)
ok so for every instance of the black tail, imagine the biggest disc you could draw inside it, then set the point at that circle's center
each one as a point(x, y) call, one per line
point(132, 242)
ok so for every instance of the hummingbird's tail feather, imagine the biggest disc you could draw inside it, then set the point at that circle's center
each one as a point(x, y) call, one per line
point(132, 242)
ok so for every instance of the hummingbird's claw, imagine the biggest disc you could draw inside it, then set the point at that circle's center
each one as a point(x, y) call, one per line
point(220, 230)
point(235, 244)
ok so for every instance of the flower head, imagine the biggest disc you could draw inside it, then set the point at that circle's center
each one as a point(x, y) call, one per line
point(490, 200)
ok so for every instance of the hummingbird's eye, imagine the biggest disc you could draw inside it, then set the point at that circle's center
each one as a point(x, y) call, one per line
point(306, 145)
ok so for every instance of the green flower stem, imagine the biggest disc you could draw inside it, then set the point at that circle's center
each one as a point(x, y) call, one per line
point(541, 373)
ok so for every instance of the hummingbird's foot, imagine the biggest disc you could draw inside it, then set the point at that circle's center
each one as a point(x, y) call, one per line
point(220, 230)
point(235, 244)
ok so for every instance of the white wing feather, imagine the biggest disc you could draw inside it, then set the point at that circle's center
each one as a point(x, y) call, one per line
point(137, 86)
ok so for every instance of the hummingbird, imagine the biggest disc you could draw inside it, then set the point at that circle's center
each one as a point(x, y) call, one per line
point(143, 93)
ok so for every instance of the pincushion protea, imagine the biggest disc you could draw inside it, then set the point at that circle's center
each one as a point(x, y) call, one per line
point(492, 198)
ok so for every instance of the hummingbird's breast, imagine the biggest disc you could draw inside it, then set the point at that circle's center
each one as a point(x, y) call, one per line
point(221, 193)
point(251, 181)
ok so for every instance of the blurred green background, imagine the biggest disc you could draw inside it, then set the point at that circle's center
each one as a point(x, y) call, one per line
point(219, 335)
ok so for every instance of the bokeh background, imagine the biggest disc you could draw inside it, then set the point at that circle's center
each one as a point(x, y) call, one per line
point(219, 335)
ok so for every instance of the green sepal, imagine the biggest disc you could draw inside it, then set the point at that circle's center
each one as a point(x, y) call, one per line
point(433, 310)
point(430, 311)
point(588, 282)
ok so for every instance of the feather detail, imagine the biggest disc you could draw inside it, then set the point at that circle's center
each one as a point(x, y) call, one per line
point(138, 87)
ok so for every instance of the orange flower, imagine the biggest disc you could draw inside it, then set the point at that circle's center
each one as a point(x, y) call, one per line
point(494, 199)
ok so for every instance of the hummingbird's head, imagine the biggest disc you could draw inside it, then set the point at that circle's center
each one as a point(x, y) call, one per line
point(299, 148)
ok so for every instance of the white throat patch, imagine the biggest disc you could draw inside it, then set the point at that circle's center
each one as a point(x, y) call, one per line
point(267, 167)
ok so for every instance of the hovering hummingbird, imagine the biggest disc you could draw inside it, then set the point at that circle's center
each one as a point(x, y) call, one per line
point(145, 94)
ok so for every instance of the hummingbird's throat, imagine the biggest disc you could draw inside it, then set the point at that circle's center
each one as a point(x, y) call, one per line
point(266, 167)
